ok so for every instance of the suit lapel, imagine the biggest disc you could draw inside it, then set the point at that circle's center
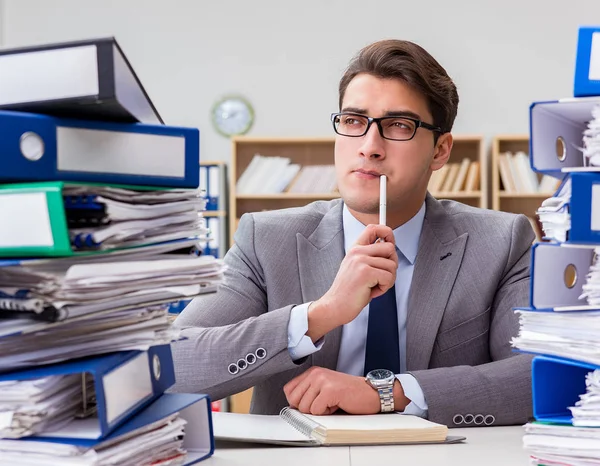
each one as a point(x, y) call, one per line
point(319, 258)
point(436, 267)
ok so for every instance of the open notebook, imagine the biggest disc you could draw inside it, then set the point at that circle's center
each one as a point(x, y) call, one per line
point(292, 427)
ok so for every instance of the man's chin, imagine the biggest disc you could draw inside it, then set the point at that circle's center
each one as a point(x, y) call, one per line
point(358, 204)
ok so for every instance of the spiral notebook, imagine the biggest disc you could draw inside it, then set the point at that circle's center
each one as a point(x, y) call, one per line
point(294, 428)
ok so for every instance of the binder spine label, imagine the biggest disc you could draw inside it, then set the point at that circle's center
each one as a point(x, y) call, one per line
point(77, 75)
point(595, 206)
point(594, 73)
point(124, 153)
point(126, 387)
point(26, 221)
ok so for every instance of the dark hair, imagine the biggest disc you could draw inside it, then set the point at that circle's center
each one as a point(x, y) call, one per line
point(412, 64)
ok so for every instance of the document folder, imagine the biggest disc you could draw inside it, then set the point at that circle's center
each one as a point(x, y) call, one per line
point(123, 383)
point(557, 384)
point(587, 65)
point(43, 148)
point(90, 80)
point(39, 216)
point(558, 273)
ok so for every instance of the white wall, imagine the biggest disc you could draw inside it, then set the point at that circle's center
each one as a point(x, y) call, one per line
point(1, 23)
point(287, 57)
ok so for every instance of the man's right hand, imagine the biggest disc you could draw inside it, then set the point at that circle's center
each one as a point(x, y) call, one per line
point(367, 271)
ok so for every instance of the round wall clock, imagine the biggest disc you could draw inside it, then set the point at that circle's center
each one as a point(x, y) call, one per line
point(232, 115)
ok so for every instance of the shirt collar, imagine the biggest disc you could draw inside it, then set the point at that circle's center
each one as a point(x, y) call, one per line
point(406, 235)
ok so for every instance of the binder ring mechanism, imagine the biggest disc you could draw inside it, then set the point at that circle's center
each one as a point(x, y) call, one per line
point(88, 399)
point(31, 146)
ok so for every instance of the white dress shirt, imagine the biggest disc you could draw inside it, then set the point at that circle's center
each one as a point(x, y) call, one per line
point(351, 358)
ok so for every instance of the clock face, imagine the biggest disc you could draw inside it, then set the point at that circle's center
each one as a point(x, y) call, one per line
point(233, 115)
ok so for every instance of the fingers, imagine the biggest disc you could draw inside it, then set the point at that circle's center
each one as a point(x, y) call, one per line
point(292, 384)
point(374, 232)
point(383, 249)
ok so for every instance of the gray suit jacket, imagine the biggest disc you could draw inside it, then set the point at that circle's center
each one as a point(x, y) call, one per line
point(459, 322)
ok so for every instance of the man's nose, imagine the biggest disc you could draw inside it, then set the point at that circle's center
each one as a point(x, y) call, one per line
point(373, 145)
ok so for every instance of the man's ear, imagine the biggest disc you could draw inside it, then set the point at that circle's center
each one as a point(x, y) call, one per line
point(441, 151)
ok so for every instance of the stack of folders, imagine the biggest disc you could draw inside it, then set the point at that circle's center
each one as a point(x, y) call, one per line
point(561, 327)
point(101, 225)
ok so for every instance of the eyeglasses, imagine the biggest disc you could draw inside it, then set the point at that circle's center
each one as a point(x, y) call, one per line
point(392, 128)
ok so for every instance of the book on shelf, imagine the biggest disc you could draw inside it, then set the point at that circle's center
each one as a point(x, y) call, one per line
point(518, 177)
point(456, 177)
point(294, 428)
point(274, 175)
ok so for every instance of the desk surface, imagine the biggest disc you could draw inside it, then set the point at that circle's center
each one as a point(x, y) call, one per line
point(491, 446)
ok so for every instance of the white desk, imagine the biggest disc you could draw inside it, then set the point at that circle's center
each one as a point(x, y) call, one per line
point(489, 446)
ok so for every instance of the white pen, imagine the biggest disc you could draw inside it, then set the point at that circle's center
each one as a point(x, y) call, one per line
point(382, 199)
point(382, 203)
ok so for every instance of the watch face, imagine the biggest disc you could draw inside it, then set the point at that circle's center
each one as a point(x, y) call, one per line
point(380, 374)
point(233, 115)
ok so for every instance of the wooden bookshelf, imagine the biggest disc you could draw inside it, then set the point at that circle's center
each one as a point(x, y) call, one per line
point(515, 202)
point(320, 151)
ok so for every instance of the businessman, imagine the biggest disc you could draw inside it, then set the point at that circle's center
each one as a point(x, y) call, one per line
point(316, 313)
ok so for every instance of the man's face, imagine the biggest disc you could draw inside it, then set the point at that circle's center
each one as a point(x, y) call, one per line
point(360, 160)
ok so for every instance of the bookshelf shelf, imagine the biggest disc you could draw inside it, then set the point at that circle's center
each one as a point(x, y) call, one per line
point(214, 213)
point(538, 196)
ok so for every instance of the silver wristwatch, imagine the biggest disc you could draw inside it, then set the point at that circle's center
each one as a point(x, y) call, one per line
point(383, 380)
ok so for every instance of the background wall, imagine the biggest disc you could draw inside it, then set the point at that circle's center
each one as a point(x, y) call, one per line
point(287, 58)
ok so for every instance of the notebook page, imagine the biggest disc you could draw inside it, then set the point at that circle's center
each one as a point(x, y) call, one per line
point(372, 422)
point(255, 428)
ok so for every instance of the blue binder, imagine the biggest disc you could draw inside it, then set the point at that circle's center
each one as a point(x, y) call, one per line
point(565, 119)
point(584, 208)
point(549, 263)
point(587, 65)
point(556, 385)
point(194, 408)
point(124, 382)
point(43, 148)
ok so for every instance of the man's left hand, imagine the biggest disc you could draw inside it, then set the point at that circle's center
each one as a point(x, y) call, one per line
point(321, 391)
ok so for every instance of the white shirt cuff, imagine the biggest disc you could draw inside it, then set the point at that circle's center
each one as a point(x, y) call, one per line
point(413, 391)
point(299, 344)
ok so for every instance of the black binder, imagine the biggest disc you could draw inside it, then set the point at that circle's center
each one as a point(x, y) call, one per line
point(89, 79)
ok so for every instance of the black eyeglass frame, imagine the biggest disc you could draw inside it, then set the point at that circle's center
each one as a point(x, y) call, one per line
point(377, 121)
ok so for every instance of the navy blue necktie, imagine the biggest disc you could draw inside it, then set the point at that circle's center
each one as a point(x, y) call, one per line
point(382, 335)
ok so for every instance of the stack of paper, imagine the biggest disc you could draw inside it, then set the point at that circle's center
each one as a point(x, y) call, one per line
point(586, 412)
point(26, 343)
point(591, 140)
point(58, 290)
point(102, 217)
point(572, 334)
point(28, 407)
point(157, 444)
point(559, 444)
point(554, 213)
point(591, 288)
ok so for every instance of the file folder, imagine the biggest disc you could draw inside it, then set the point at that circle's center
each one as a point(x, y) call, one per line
point(89, 80)
point(565, 119)
point(124, 383)
point(556, 385)
point(551, 266)
point(44, 148)
point(195, 409)
point(587, 64)
point(39, 226)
